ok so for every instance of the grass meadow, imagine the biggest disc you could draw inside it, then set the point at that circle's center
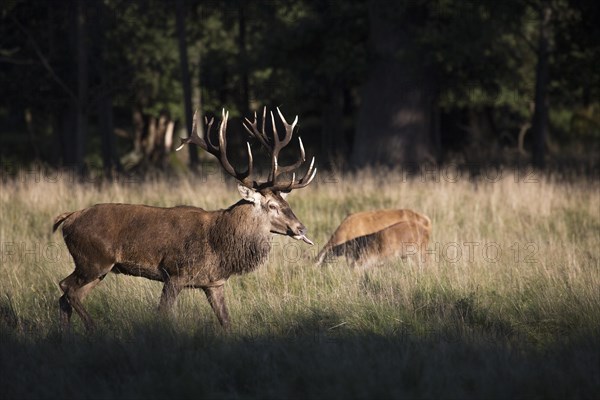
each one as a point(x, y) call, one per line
point(508, 305)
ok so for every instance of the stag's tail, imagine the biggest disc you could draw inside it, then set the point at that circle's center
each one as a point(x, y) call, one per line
point(60, 219)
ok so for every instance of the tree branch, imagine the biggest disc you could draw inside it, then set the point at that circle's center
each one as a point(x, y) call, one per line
point(17, 61)
point(526, 40)
point(44, 60)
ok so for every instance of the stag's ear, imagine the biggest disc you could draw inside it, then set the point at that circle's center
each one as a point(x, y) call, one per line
point(249, 194)
point(284, 194)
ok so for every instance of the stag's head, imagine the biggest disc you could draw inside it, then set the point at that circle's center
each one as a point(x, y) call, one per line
point(268, 196)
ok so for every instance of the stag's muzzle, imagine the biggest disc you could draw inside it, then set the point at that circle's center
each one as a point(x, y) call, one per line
point(302, 236)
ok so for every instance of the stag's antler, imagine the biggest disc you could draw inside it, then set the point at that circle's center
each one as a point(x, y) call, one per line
point(220, 151)
point(273, 147)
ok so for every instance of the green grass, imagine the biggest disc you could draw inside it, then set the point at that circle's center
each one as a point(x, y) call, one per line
point(507, 306)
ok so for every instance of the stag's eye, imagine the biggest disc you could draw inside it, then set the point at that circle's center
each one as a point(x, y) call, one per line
point(273, 207)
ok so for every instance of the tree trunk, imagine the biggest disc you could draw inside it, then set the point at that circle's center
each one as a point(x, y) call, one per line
point(395, 121)
point(74, 119)
point(332, 128)
point(82, 86)
point(539, 125)
point(110, 160)
point(185, 78)
point(244, 98)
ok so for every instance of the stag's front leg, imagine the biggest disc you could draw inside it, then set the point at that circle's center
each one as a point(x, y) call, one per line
point(216, 298)
point(170, 291)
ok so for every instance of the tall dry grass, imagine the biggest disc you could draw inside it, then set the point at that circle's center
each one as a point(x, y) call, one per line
point(508, 303)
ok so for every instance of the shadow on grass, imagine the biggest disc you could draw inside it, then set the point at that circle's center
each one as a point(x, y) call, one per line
point(158, 359)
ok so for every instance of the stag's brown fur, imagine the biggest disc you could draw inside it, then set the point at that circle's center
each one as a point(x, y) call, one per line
point(370, 237)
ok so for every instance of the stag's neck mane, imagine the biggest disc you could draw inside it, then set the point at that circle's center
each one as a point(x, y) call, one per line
point(242, 232)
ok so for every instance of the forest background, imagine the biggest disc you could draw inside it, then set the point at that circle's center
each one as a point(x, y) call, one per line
point(110, 85)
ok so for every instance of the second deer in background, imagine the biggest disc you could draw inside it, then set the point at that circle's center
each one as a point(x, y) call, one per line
point(371, 237)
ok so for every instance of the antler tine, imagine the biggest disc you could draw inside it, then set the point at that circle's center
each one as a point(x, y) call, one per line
point(299, 162)
point(264, 120)
point(243, 177)
point(310, 174)
point(289, 129)
point(223, 145)
point(195, 136)
point(252, 129)
point(302, 182)
point(279, 144)
point(209, 142)
point(250, 162)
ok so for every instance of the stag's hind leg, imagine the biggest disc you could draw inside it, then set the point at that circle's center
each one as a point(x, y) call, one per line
point(75, 288)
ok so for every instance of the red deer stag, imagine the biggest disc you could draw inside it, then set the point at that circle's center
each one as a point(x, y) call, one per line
point(369, 237)
point(186, 247)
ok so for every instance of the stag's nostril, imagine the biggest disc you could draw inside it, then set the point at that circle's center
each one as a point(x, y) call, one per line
point(299, 230)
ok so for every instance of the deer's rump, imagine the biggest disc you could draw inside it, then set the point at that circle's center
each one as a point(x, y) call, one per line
point(365, 223)
point(392, 241)
point(376, 235)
